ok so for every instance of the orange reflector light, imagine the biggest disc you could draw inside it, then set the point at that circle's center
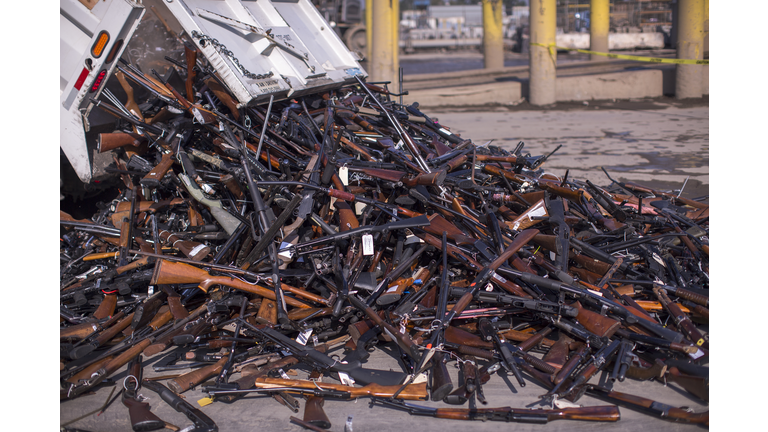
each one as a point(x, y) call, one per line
point(97, 82)
point(101, 42)
point(113, 52)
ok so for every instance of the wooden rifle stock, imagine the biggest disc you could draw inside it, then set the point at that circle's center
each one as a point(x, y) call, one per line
point(441, 384)
point(188, 380)
point(171, 273)
point(595, 323)
point(435, 178)
point(106, 307)
point(152, 179)
point(192, 249)
point(111, 141)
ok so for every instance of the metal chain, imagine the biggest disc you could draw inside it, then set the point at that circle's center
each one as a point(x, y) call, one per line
point(223, 50)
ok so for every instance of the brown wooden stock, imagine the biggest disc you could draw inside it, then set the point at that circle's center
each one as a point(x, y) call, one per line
point(596, 323)
point(410, 392)
point(564, 192)
point(692, 296)
point(456, 162)
point(571, 365)
point(167, 272)
point(178, 311)
point(520, 336)
point(394, 291)
point(130, 104)
point(557, 355)
point(89, 370)
point(299, 314)
point(223, 95)
point(267, 312)
point(191, 379)
point(462, 337)
point(141, 417)
point(435, 178)
point(525, 220)
point(152, 179)
point(106, 307)
point(192, 249)
point(655, 306)
point(107, 334)
point(162, 317)
point(491, 158)
point(78, 331)
point(128, 355)
point(698, 386)
point(347, 218)
point(314, 413)
point(190, 55)
point(111, 141)
point(232, 185)
point(657, 370)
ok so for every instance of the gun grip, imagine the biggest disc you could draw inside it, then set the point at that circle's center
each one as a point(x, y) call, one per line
point(142, 419)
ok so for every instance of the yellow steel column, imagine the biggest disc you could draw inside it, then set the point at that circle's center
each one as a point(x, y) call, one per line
point(706, 26)
point(395, 40)
point(493, 42)
point(543, 55)
point(599, 23)
point(690, 45)
point(382, 55)
point(368, 31)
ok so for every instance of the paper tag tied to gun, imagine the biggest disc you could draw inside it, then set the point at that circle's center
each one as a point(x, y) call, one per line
point(367, 244)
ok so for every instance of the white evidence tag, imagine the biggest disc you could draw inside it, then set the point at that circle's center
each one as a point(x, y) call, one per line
point(367, 245)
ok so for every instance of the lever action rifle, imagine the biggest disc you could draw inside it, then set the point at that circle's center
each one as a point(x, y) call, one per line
point(607, 413)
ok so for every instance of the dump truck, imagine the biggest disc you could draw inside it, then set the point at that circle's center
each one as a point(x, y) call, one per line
point(260, 50)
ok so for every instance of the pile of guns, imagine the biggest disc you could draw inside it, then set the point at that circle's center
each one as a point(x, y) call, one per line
point(247, 241)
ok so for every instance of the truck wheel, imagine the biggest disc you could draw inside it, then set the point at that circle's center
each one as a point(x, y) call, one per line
point(355, 39)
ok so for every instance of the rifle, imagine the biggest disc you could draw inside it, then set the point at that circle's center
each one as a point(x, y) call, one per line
point(520, 302)
point(441, 382)
point(412, 392)
point(648, 406)
point(322, 361)
point(586, 295)
point(172, 273)
point(506, 414)
point(302, 248)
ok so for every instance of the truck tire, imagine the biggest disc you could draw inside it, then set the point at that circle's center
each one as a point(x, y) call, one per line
point(355, 39)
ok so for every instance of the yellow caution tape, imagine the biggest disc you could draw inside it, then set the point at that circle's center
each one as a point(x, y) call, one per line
point(627, 57)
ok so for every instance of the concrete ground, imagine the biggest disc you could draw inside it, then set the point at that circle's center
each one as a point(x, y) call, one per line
point(655, 142)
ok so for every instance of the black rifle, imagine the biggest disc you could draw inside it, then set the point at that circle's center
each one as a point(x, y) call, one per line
point(366, 229)
point(520, 302)
point(322, 361)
